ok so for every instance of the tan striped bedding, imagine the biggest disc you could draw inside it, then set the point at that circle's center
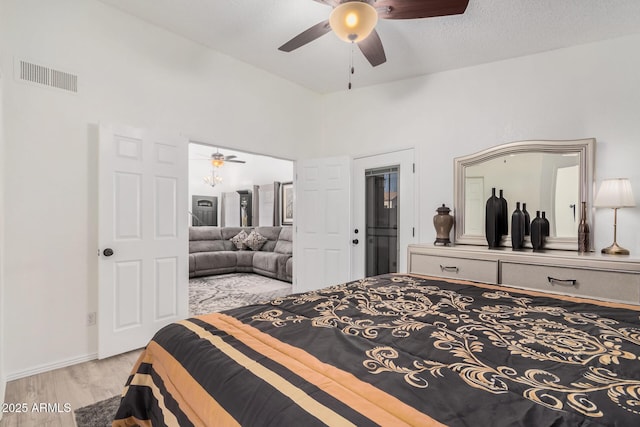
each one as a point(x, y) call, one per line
point(394, 350)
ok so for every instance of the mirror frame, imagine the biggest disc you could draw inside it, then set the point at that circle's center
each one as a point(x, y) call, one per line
point(584, 147)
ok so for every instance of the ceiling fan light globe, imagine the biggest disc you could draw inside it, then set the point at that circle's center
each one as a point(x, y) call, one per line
point(353, 21)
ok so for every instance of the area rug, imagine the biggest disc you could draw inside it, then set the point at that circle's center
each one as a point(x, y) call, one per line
point(222, 292)
point(99, 414)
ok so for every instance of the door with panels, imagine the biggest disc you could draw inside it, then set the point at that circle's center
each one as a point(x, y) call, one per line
point(143, 236)
point(321, 221)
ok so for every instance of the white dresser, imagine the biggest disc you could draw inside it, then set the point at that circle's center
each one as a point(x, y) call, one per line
point(606, 277)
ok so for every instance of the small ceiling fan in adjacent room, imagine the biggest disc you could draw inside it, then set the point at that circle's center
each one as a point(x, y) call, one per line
point(218, 159)
point(354, 21)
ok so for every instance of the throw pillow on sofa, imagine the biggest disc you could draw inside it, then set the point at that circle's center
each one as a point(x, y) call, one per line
point(255, 240)
point(239, 240)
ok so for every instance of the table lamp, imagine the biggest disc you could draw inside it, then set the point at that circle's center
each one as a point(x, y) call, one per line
point(615, 193)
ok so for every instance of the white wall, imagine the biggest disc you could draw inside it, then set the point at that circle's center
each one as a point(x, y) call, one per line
point(3, 381)
point(129, 73)
point(586, 91)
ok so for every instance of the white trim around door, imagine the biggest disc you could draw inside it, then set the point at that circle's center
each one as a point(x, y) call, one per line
point(404, 160)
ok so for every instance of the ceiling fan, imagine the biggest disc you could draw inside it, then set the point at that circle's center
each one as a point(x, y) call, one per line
point(218, 159)
point(355, 20)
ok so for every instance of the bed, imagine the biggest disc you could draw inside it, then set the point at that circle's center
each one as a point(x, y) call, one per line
point(395, 350)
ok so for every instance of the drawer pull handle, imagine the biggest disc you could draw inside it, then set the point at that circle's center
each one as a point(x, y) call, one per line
point(570, 282)
point(445, 268)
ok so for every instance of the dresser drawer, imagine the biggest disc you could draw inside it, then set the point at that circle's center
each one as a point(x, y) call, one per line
point(453, 267)
point(600, 284)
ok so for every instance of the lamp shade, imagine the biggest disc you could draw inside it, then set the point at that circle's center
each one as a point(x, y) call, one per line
point(353, 21)
point(615, 193)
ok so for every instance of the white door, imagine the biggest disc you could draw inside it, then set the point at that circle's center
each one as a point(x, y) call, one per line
point(143, 236)
point(404, 160)
point(321, 219)
point(474, 205)
point(231, 206)
point(566, 204)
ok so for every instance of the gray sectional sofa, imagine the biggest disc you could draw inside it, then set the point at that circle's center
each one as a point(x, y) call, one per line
point(211, 251)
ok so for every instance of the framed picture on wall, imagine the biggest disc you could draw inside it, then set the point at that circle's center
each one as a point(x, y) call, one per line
point(287, 203)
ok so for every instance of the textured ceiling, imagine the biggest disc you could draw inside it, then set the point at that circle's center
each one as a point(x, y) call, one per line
point(490, 30)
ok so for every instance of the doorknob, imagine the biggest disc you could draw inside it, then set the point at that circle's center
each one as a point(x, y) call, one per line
point(107, 252)
point(354, 241)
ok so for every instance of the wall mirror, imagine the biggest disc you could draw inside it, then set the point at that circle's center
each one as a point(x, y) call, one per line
point(549, 176)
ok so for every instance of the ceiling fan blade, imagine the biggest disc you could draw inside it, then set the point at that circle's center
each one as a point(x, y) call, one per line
point(414, 9)
point(232, 156)
point(372, 49)
point(306, 36)
point(235, 161)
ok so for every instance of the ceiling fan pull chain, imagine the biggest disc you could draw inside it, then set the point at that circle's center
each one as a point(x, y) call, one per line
point(351, 69)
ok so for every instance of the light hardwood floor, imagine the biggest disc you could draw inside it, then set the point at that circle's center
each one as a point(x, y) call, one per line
point(77, 385)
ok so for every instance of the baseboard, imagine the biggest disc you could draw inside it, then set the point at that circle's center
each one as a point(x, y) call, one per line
point(51, 366)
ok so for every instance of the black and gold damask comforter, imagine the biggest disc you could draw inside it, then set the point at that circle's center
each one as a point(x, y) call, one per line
point(395, 350)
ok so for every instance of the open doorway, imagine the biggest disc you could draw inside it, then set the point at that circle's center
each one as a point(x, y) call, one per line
point(234, 194)
point(230, 188)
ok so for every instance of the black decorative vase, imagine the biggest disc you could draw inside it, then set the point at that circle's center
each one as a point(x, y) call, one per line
point(537, 232)
point(493, 220)
point(527, 220)
point(505, 215)
point(517, 228)
point(546, 224)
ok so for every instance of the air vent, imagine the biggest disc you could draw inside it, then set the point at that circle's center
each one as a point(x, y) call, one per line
point(41, 75)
